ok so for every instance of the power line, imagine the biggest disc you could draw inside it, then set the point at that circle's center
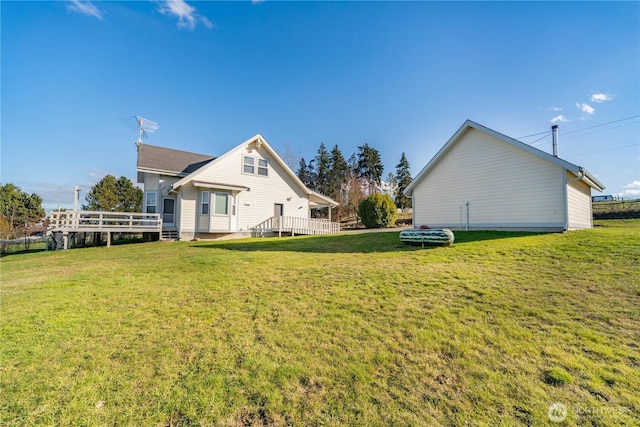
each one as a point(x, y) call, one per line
point(563, 134)
point(604, 151)
point(603, 124)
point(546, 135)
point(598, 131)
point(534, 134)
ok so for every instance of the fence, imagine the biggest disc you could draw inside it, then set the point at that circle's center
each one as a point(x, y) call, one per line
point(23, 244)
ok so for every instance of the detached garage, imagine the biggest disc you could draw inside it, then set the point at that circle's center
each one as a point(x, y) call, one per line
point(483, 180)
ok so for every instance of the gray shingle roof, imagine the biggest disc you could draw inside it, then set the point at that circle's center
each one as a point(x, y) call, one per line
point(170, 160)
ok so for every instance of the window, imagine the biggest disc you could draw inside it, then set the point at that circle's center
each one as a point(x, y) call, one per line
point(221, 203)
point(205, 203)
point(248, 165)
point(263, 167)
point(150, 205)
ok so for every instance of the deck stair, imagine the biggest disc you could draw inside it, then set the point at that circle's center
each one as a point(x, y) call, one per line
point(170, 235)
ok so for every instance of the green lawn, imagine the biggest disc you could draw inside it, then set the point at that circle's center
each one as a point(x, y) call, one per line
point(326, 331)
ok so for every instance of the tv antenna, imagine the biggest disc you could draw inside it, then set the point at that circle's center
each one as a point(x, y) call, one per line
point(142, 125)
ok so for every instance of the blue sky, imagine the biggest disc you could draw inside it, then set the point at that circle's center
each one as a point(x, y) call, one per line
point(400, 76)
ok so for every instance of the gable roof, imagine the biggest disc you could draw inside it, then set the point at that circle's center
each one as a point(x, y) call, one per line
point(169, 161)
point(260, 142)
point(578, 171)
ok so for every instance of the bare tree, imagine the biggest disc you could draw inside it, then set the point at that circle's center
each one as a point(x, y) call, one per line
point(291, 156)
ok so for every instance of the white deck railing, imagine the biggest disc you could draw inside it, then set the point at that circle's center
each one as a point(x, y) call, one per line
point(87, 221)
point(295, 225)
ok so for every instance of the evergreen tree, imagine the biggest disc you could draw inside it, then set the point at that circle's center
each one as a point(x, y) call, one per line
point(337, 177)
point(305, 173)
point(18, 210)
point(370, 167)
point(402, 181)
point(114, 195)
point(129, 196)
point(337, 173)
point(322, 168)
point(353, 188)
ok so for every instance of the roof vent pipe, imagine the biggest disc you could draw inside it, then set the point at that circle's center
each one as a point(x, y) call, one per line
point(554, 133)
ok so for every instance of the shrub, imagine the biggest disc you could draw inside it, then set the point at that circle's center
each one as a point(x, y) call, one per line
point(378, 211)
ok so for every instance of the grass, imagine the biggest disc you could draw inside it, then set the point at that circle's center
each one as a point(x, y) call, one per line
point(557, 376)
point(17, 248)
point(354, 329)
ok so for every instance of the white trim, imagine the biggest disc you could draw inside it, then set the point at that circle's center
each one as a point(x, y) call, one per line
point(162, 172)
point(245, 165)
point(146, 201)
point(202, 202)
point(219, 186)
point(320, 200)
point(565, 199)
point(266, 168)
point(255, 166)
point(588, 178)
point(529, 226)
point(215, 204)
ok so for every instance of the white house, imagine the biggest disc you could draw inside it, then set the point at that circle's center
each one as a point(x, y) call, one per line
point(247, 191)
point(483, 180)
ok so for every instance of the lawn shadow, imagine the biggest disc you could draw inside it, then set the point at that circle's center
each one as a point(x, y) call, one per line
point(370, 242)
point(21, 252)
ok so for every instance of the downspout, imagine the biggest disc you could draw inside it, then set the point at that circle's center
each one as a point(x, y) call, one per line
point(413, 211)
point(565, 199)
point(581, 171)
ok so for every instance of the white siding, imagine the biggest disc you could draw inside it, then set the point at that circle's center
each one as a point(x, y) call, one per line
point(219, 222)
point(579, 203)
point(257, 204)
point(506, 188)
point(188, 209)
point(150, 183)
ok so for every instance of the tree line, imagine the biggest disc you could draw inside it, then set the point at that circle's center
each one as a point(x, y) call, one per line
point(349, 182)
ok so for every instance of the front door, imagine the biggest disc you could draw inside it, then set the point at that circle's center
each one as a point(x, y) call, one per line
point(168, 211)
point(278, 210)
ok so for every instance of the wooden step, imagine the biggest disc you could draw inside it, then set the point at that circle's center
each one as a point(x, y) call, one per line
point(170, 235)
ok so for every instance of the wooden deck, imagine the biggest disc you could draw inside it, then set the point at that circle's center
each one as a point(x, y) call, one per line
point(293, 225)
point(61, 224)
